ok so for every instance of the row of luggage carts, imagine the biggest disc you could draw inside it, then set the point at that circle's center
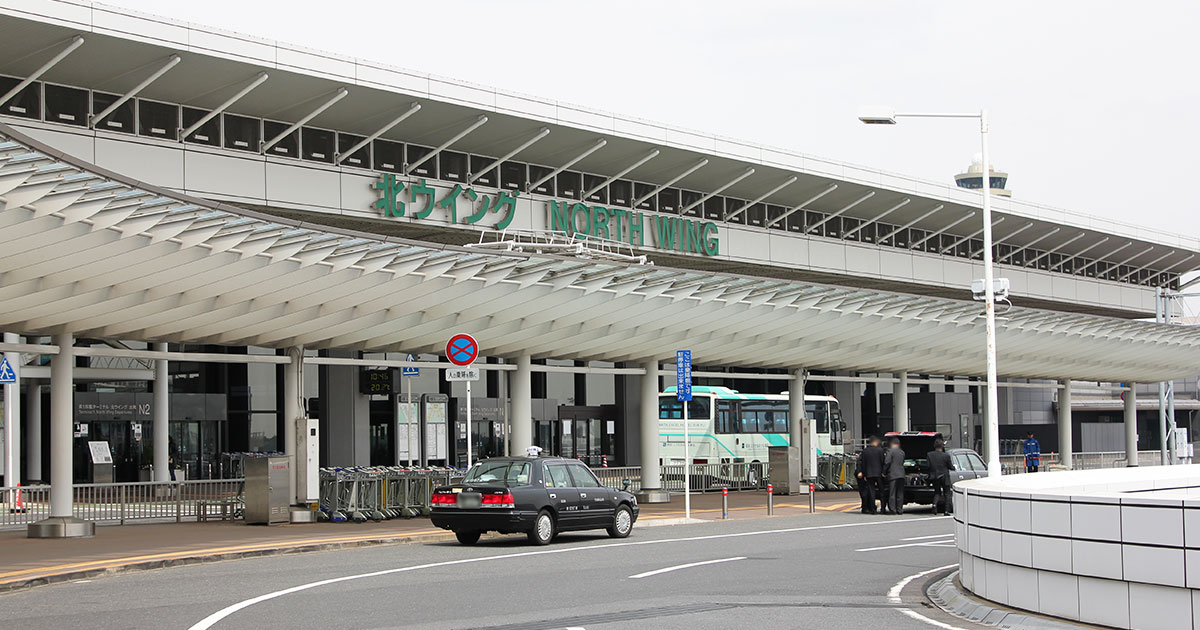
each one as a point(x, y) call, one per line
point(377, 493)
point(836, 472)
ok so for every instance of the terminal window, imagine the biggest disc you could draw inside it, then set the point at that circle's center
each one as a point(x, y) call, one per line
point(478, 163)
point(27, 103)
point(289, 146)
point(120, 120)
point(317, 144)
point(67, 105)
point(538, 172)
point(361, 157)
point(569, 184)
point(513, 176)
point(592, 181)
point(388, 156)
point(453, 166)
point(773, 213)
point(427, 169)
point(689, 198)
point(643, 190)
point(209, 133)
point(756, 215)
point(158, 120)
point(714, 209)
point(242, 133)
point(668, 200)
point(620, 192)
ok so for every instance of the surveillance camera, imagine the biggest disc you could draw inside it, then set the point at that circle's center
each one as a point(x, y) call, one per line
point(999, 289)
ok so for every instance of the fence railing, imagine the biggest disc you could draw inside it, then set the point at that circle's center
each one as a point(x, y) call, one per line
point(1015, 464)
point(379, 492)
point(120, 503)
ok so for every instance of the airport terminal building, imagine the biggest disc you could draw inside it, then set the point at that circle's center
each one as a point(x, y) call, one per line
point(218, 234)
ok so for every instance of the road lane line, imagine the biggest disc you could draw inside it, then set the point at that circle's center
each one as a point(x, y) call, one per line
point(214, 618)
point(931, 543)
point(894, 598)
point(928, 537)
point(684, 566)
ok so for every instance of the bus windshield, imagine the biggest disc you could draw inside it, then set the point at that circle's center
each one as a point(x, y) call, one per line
point(669, 408)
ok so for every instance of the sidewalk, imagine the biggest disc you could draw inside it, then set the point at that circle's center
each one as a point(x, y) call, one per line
point(27, 562)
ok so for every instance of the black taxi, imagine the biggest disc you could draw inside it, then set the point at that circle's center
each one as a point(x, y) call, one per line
point(537, 496)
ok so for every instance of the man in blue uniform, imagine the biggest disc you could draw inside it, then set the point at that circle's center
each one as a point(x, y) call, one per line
point(1033, 453)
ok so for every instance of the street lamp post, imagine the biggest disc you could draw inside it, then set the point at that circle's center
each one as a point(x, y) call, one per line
point(991, 441)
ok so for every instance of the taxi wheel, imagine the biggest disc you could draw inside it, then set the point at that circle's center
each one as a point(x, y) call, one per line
point(622, 523)
point(543, 529)
point(467, 538)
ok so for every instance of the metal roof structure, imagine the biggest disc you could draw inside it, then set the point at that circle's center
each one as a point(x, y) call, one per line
point(289, 83)
point(97, 254)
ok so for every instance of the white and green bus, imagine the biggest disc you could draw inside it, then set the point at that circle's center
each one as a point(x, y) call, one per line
point(726, 426)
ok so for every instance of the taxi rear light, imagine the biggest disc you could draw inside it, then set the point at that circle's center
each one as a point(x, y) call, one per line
point(502, 500)
point(447, 498)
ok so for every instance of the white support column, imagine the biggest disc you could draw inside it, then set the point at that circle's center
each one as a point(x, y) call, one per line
point(1131, 449)
point(651, 466)
point(62, 523)
point(796, 407)
point(900, 403)
point(12, 417)
point(160, 415)
point(521, 391)
point(33, 433)
point(1064, 424)
point(293, 409)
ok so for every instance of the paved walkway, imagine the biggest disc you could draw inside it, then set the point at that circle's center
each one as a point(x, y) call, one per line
point(29, 562)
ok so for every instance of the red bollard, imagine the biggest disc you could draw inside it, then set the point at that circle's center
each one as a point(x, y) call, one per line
point(724, 502)
point(770, 499)
point(812, 498)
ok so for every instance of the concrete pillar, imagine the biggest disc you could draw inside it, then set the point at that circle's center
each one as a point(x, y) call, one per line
point(521, 392)
point(61, 524)
point(293, 409)
point(651, 467)
point(12, 417)
point(33, 430)
point(160, 416)
point(1064, 423)
point(1131, 449)
point(796, 407)
point(900, 403)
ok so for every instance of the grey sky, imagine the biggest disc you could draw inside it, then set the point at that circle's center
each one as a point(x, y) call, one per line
point(1091, 102)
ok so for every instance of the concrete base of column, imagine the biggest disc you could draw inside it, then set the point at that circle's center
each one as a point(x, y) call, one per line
point(654, 496)
point(62, 527)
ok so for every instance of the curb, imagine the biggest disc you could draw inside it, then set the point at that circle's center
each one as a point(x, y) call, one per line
point(199, 557)
point(947, 596)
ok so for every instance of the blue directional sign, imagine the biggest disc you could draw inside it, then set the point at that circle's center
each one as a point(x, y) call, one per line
point(683, 374)
point(408, 370)
point(7, 375)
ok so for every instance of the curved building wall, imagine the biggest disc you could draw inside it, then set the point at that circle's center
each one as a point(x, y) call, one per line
point(1117, 547)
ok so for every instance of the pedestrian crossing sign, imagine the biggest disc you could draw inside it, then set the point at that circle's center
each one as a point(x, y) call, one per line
point(7, 375)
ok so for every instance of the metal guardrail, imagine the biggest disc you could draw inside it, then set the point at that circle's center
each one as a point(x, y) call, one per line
point(1015, 464)
point(118, 503)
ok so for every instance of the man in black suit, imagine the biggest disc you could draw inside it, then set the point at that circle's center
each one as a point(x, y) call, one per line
point(870, 475)
point(893, 467)
point(940, 465)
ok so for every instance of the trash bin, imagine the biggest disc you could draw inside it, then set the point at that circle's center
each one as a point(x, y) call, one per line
point(267, 481)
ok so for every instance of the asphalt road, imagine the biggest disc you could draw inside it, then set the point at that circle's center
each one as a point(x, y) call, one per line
point(819, 571)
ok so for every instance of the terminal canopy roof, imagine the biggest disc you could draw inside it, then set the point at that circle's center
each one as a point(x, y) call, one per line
point(94, 253)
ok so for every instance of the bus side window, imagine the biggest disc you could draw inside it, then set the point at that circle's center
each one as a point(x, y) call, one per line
point(749, 421)
point(725, 417)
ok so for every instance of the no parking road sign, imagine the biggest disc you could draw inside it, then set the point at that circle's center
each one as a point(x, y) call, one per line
point(462, 350)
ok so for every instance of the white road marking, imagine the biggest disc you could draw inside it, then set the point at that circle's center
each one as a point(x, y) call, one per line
point(894, 598)
point(931, 543)
point(211, 620)
point(684, 566)
point(894, 594)
point(928, 537)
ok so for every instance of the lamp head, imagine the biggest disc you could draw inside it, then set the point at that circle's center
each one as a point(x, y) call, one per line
point(877, 115)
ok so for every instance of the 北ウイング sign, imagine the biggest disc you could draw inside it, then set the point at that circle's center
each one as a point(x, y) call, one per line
point(462, 350)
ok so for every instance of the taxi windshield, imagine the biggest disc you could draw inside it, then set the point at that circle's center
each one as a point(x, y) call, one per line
point(499, 473)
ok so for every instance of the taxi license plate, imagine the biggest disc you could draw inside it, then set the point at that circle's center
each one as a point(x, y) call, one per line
point(469, 500)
